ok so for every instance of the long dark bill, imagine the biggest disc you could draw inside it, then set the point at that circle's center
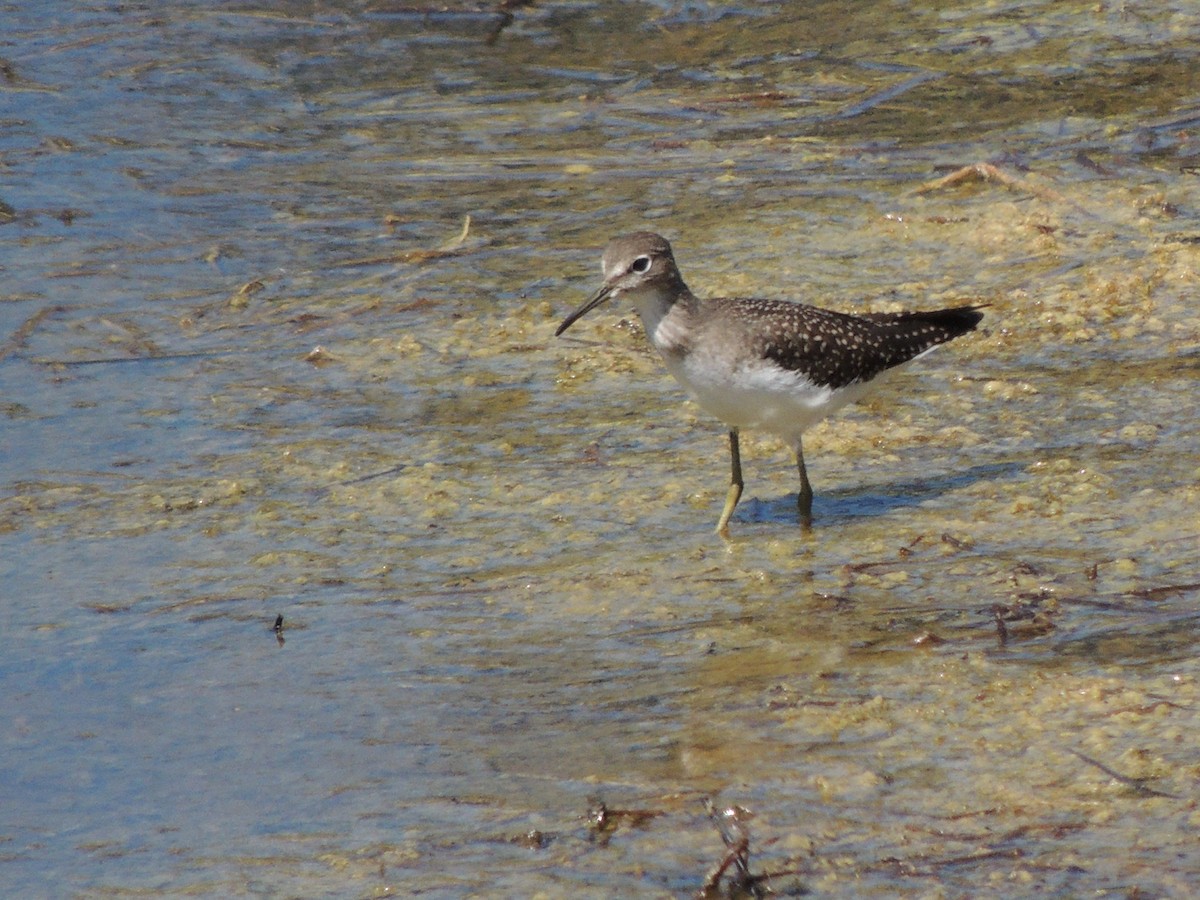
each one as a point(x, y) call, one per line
point(588, 305)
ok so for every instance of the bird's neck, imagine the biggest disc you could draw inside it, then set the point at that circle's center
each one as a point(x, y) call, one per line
point(669, 313)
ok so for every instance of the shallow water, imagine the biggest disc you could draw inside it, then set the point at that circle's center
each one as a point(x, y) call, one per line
point(492, 550)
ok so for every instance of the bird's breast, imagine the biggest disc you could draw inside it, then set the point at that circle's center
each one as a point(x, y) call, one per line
point(758, 393)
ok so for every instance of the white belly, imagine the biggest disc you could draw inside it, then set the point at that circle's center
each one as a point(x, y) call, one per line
point(761, 394)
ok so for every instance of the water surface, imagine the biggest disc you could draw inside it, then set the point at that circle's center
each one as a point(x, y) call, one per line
point(279, 287)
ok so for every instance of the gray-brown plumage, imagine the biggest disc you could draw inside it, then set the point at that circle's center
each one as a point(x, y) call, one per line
point(834, 349)
point(763, 363)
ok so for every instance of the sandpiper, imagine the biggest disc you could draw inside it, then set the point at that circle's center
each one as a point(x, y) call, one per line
point(771, 364)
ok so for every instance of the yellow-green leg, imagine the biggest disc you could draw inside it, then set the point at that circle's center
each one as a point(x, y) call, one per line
point(804, 501)
point(735, 485)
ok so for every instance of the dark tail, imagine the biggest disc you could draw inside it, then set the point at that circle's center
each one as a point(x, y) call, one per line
point(910, 334)
point(955, 321)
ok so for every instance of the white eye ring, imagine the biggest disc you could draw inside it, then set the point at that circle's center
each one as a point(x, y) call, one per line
point(639, 265)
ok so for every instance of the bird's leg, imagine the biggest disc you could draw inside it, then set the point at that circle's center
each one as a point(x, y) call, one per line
point(804, 500)
point(735, 484)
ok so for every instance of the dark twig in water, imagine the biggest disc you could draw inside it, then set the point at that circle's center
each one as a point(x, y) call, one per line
point(957, 543)
point(1001, 628)
point(988, 172)
point(1030, 615)
point(889, 93)
point(603, 821)
point(504, 17)
point(928, 867)
point(373, 475)
point(452, 247)
point(1167, 590)
point(162, 357)
point(17, 339)
point(731, 823)
point(1138, 785)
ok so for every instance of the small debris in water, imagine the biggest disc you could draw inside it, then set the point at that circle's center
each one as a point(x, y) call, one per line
point(731, 823)
point(319, 356)
point(1138, 785)
point(533, 840)
point(603, 821)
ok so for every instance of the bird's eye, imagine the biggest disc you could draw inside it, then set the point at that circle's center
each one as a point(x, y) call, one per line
point(639, 265)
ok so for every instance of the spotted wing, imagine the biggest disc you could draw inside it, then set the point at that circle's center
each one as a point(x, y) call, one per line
point(835, 349)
